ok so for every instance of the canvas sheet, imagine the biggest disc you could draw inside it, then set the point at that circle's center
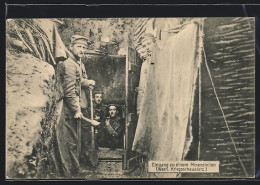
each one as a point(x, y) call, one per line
point(163, 129)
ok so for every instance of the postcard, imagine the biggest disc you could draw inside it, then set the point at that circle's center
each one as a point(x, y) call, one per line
point(130, 98)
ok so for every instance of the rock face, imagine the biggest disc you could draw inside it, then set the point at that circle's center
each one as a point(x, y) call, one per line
point(29, 93)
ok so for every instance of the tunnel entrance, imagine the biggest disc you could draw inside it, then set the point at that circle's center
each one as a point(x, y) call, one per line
point(117, 77)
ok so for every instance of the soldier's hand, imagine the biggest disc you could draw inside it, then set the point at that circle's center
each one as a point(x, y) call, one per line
point(91, 83)
point(97, 118)
point(95, 123)
point(107, 121)
point(84, 83)
point(78, 115)
point(90, 87)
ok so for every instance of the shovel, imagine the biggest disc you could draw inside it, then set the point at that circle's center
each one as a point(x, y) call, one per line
point(93, 155)
point(93, 122)
point(79, 137)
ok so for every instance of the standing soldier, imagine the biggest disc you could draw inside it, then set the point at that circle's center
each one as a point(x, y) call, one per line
point(72, 83)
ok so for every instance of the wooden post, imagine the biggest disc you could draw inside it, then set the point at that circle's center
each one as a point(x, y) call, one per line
point(92, 118)
point(199, 112)
point(126, 109)
point(79, 137)
point(199, 73)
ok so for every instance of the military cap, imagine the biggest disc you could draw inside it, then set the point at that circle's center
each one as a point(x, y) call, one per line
point(78, 39)
point(97, 91)
point(112, 105)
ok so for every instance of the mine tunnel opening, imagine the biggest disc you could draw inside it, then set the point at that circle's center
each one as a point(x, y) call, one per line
point(117, 78)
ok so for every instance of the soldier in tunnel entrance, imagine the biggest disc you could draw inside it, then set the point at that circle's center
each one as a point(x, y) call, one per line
point(99, 111)
point(113, 129)
point(99, 108)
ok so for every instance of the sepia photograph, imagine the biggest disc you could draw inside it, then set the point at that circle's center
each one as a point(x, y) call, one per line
point(130, 98)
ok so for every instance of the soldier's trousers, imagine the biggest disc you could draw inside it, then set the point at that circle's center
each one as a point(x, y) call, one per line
point(71, 142)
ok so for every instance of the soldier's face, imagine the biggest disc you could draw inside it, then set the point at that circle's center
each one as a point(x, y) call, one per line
point(112, 111)
point(143, 54)
point(78, 49)
point(98, 98)
point(148, 45)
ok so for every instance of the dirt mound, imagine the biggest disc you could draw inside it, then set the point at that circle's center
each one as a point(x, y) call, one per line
point(27, 94)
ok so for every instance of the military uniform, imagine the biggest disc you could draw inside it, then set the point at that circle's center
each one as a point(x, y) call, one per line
point(99, 112)
point(72, 83)
point(100, 116)
point(113, 132)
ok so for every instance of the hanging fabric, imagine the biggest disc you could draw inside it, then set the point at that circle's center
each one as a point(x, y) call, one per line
point(42, 39)
point(164, 127)
point(142, 83)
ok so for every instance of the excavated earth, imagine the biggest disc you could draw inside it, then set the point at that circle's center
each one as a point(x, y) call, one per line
point(29, 83)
